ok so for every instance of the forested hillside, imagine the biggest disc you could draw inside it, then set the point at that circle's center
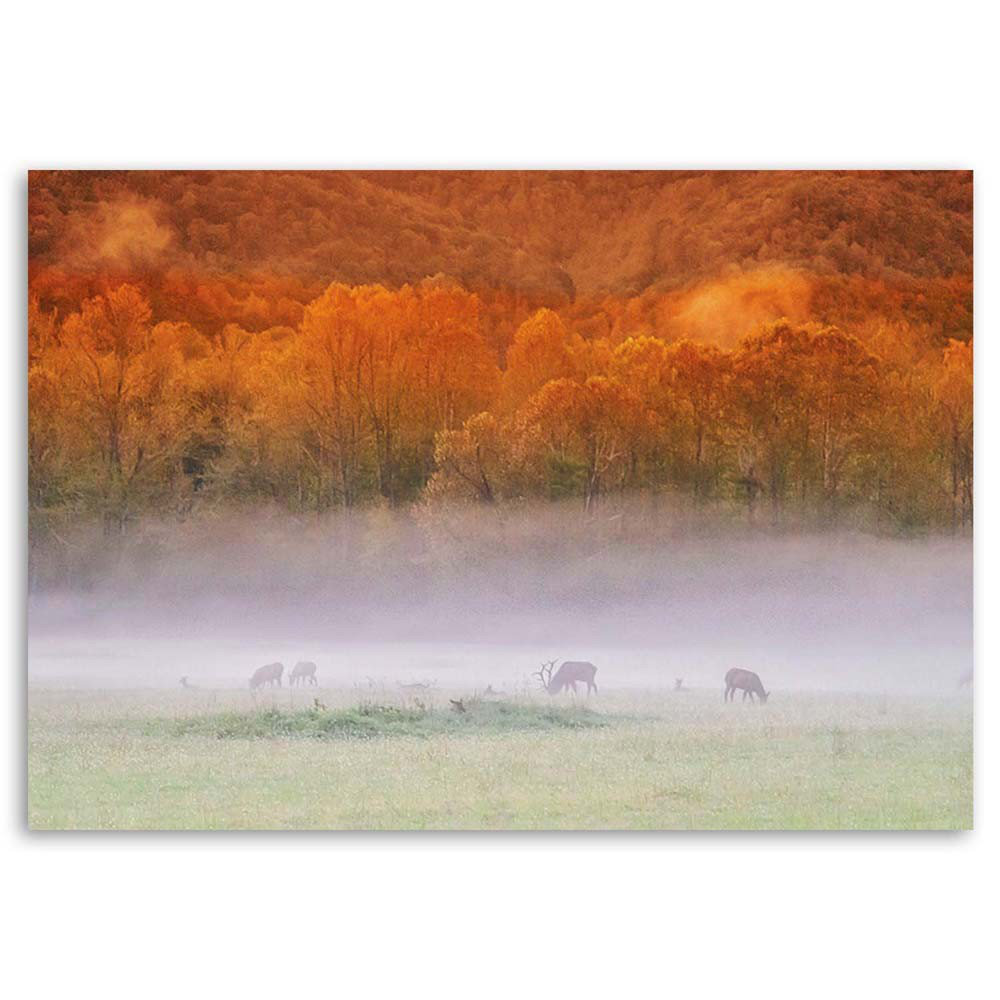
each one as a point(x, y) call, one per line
point(254, 247)
point(759, 341)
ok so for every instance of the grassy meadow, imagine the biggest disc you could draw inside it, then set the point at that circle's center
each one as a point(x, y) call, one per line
point(364, 760)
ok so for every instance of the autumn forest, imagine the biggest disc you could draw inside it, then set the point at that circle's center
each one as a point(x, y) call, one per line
point(778, 347)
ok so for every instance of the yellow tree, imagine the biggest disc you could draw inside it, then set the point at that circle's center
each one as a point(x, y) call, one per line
point(125, 388)
point(52, 489)
point(952, 393)
point(767, 419)
point(698, 379)
point(45, 407)
point(841, 387)
point(592, 434)
point(641, 363)
point(389, 331)
point(803, 400)
point(274, 451)
point(222, 397)
point(900, 462)
point(322, 389)
point(472, 463)
point(540, 353)
point(454, 370)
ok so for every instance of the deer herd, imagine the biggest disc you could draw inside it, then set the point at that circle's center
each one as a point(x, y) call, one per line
point(553, 681)
point(303, 672)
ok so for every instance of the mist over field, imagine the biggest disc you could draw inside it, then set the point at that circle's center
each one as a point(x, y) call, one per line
point(380, 597)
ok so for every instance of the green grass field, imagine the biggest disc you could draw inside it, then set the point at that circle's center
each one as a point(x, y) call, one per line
point(204, 760)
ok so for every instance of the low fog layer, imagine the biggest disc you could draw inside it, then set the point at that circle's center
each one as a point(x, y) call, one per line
point(478, 597)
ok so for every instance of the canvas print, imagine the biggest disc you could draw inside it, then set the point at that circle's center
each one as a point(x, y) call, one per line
point(500, 500)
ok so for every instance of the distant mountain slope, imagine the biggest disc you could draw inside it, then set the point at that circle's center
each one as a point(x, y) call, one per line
point(621, 233)
point(855, 242)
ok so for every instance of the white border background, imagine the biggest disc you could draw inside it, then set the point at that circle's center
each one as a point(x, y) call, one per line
point(517, 84)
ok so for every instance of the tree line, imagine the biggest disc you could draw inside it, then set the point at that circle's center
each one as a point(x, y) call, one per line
point(395, 396)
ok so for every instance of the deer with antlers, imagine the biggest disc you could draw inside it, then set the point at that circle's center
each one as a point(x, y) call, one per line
point(567, 676)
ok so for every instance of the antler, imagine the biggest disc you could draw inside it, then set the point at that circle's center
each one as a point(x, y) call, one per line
point(545, 674)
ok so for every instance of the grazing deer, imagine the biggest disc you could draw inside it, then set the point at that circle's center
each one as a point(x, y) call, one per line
point(491, 692)
point(302, 673)
point(747, 682)
point(187, 685)
point(458, 706)
point(269, 674)
point(567, 676)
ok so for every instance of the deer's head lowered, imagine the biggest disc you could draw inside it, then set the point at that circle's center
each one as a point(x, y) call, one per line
point(567, 676)
point(544, 675)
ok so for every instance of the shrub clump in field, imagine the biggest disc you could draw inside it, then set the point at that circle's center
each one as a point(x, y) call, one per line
point(373, 720)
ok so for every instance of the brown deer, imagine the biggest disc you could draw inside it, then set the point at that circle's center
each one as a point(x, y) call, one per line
point(567, 676)
point(747, 682)
point(187, 685)
point(269, 674)
point(303, 672)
